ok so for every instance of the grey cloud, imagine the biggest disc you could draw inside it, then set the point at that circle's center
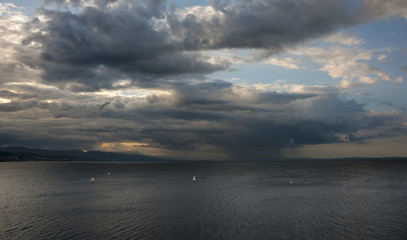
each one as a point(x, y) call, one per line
point(372, 10)
point(375, 121)
point(200, 114)
point(63, 2)
point(388, 103)
point(12, 72)
point(102, 106)
point(93, 47)
point(97, 46)
point(41, 135)
point(262, 24)
point(7, 93)
point(404, 68)
point(148, 41)
point(281, 98)
point(264, 139)
point(243, 130)
point(333, 108)
point(118, 104)
point(17, 106)
point(74, 110)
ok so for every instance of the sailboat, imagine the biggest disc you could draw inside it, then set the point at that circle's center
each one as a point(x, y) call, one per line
point(108, 173)
point(291, 182)
point(92, 179)
point(194, 179)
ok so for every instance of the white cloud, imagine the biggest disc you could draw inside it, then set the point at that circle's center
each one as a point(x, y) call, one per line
point(4, 100)
point(343, 38)
point(283, 87)
point(368, 80)
point(12, 22)
point(287, 63)
point(381, 57)
point(347, 84)
point(352, 66)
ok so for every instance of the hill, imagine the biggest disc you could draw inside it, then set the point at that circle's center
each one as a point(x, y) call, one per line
point(13, 154)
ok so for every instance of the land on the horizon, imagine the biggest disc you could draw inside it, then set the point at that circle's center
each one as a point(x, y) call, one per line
point(21, 154)
point(18, 154)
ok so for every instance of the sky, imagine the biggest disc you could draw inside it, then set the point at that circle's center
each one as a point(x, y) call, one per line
point(206, 80)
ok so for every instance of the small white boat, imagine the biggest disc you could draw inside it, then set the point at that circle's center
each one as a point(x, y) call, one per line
point(291, 182)
point(193, 179)
point(92, 180)
point(108, 173)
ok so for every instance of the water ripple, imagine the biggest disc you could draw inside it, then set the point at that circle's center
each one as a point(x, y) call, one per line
point(335, 200)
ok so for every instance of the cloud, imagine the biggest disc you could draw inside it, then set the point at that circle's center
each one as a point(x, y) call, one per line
point(133, 76)
point(258, 129)
point(12, 32)
point(287, 63)
point(17, 106)
point(97, 46)
point(96, 43)
point(404, 68)
point(190, 116)
point(352, 66)
point(257, 24)
point(372, 10)
point(343, 38)
point(236, 121)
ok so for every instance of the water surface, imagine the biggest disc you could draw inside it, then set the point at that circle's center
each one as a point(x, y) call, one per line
point(328, 200)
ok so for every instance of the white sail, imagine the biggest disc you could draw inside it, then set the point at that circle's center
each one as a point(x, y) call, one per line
point(194, 179)
point(92, 179)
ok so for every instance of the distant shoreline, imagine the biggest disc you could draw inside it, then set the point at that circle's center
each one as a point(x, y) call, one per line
point(22, 154)
point(32, 157)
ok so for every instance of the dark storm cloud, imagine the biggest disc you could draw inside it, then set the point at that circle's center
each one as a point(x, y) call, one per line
point(265, 138)
point(209, 113)
point(249, 137)
point(197, 118)
point(40, 135)
point(97, 46)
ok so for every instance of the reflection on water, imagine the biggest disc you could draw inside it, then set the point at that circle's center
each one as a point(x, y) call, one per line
point(328, 200)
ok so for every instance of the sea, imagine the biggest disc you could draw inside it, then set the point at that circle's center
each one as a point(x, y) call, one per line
point(229, 200)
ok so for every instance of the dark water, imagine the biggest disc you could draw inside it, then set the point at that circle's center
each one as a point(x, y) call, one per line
point(328, 200)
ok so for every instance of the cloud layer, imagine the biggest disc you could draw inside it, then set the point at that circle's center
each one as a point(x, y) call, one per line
point(96, 43)
point(132, 76)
